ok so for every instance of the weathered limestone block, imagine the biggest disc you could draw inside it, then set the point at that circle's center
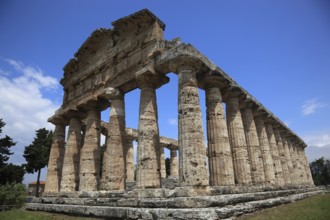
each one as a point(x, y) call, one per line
point(70, 172)
point(219, 152)
point(307, 168)
point(193, 170)
point(116, 143)
point(265, 150)
point(103, 179)
point(285, 169)
point(148, 173)
point(162, 162)
point(90, 152)
point(129, 160)
point(275, 155)
point(295, 173)
point(56, 156)
point(288, 158)
point(300, 152)
point(174, 170)
point(254, 150)
point(238, 142)
point(300, 169)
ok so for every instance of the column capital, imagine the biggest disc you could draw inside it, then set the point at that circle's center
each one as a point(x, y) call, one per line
point(185, 63)
point(232, 93)
point(148, 78)
point(212, 79)
point(111, 93)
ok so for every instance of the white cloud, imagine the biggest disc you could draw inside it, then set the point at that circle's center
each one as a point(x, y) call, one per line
point(319, 140)
point(33, 74)
point(310, 106)
point(23, 106)
point(172, 121)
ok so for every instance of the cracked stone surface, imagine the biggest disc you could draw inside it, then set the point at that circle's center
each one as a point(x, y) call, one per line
point(116, 144)
point(55, 163)
point(254, 150)
point(275, 155)
point(265, 151)
point(238, 142)
point(219, 152)
point(70, 173)
point(284, 163)
point(90, 153)
point(193, 171)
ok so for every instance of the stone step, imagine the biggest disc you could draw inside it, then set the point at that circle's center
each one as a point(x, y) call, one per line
point(215, 212)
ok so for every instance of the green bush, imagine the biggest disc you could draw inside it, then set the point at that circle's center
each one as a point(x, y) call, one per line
point(12, 195)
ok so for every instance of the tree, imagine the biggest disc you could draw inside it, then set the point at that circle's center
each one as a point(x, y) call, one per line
point(320, 170)
point(5, 144)
point(168, 166)
point(37, 153)
point(9, 173)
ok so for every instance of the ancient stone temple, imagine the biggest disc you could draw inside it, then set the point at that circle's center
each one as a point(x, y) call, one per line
point(250, 159)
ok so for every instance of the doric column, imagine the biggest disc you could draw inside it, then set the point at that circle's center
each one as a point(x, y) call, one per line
point(284, 162)
point(300, 151)
point(265, 150)
point(253, 146)
point(307, 168)
point(116, 143)
point(129, 160)
point(90, 152)
point(237, 140)
point(103, 168)
point(162, 162)
point(55, 163)
point(193, 170)
point(174, 170)
point(288, 158)
point(219, 152)
point(295, 174)
point(275, 155)
point(148, 173)
point(300, 169)
point(70, 172)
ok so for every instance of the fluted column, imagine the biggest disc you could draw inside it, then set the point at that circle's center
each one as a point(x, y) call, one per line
point(148, 173)
point(162, 162)
point(219, 152)
point(193, 170)
point(55, 163)
point(238, 142)
point(284, 162)
point(174, 170)
point(129, 160)
point(295, 174)
point(300, 152)
point(253, 146)
point(265, 150)
point(70, 172)
point(300, 168)
point(288, 158)
point(307, 168)
point(116, 143)
point(90, 152)
point(275, 155)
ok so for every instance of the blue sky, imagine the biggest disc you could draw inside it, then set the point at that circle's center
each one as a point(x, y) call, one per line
point(279, 51)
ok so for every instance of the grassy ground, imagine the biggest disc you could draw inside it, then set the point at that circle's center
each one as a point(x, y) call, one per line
point(316, 207)
point(21, 214)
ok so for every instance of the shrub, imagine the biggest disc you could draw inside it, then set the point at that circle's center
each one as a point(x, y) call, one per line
point(12, 195)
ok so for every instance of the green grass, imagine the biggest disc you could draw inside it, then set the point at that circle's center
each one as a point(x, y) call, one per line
point(316, 207)
point(20, 214)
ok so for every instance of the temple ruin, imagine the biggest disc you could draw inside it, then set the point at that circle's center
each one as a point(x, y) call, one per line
point(253, 159)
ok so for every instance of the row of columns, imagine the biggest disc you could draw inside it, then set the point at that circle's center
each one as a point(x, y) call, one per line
point(244, 146)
